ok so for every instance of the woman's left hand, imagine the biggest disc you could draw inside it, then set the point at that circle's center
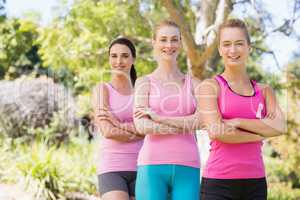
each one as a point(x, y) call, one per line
point(143, 111)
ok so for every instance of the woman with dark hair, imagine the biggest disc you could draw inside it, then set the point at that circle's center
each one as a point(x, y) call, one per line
point(113, 110)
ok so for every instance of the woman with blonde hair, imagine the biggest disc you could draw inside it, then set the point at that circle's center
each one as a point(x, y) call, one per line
point(238, 113)
point(166, 113)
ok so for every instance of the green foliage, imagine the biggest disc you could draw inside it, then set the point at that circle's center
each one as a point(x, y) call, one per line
point(79, 42)
point(2, 10)
point(18, 51)
point(49, 172)
point(284, 160)
point(52, 134)
point(279, 187)
point(42, 172)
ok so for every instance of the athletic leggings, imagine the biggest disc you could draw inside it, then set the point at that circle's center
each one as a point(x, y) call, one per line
point(167, 182)
point(234, 189)
point(117, 181)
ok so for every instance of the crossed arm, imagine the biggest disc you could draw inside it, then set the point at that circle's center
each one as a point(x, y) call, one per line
point(142, 119)
point(186, 123)
point(274, 122)
point(106, 122)
point(212, 120)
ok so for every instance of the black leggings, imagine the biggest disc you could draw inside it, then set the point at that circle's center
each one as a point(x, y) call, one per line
point(233, 189)
point(113, 181)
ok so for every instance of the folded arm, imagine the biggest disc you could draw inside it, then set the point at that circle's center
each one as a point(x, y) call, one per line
point(143, 123)
point(187, 123)
point(274, 122)
point(104, 120)
point(212, 120)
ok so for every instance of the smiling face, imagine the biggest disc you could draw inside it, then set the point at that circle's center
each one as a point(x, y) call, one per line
point(166, 43)
point(120, 58)
point(234, 47)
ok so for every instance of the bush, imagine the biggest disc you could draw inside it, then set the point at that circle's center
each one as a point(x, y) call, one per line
point(27, 104)
point(49, 172)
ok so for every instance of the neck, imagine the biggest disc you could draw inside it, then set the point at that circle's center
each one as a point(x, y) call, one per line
point(121, 82)
point(236, 73)
point(167, 68)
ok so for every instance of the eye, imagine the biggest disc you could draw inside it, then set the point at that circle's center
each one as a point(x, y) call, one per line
point(240, 44)
point(113, 55)
point(174, 40)
point(226, 44)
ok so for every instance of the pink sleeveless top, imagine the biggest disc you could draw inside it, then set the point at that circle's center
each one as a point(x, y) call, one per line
point(179, 149)
point(237, 161)
point(115, 155)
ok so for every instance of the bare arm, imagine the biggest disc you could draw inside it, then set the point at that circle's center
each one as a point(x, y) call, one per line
point(272, 125)
point(128, 126)
point(212, 120)
point(187, 123)
point(100, 103)
point(142, 122)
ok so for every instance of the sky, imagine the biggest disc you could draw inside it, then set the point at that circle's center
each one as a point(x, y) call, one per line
point(281, 9)
point(283, 46)
point(47, 8)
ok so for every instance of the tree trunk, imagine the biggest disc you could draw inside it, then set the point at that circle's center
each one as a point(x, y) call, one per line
point(212, 14)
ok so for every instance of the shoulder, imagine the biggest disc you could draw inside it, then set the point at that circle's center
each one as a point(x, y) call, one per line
point(142, 85)
point(266, 89)
point(210, 82)
point(100, 94)
point(142, 80)
point(195, 81)
point(101, 89)
point(209, 86)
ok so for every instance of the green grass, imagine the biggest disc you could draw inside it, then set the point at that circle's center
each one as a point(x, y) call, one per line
point(49, 172)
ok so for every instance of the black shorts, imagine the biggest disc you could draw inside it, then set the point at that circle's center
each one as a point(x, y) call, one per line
point(233, 189)
point(112, 181)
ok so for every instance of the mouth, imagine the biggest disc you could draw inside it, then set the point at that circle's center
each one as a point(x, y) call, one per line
point(233, 58)
point(169, 52)
point(119, 67)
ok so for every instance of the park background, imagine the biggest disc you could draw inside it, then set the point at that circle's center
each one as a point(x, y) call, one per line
point(54, 52)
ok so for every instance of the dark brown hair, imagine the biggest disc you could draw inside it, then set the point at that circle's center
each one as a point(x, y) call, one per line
point(129, 44)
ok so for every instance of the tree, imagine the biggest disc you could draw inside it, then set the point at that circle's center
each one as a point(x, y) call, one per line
point(211, 13)
point(2, 10)
point(18, 52)
point(86, 31)
point(79, 41)
point(75, 45)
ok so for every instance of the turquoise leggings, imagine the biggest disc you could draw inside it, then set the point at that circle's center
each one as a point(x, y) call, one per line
point(167, 182)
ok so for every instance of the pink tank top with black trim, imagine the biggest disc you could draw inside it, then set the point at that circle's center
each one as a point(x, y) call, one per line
point(179, 149)
point(237, 161)
point(115, 155)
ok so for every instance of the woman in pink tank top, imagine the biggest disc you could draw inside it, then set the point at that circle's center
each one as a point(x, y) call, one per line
point(238, 114)
point(166, 112)
point(113, 113)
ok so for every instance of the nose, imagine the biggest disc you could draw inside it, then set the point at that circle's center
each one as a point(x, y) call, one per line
point(232, 48)
point(169, 44)
point(119, 60)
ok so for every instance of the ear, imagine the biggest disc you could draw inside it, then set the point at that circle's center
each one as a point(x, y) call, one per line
point(250, 49)
point(153, 41)
point(219, 50)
